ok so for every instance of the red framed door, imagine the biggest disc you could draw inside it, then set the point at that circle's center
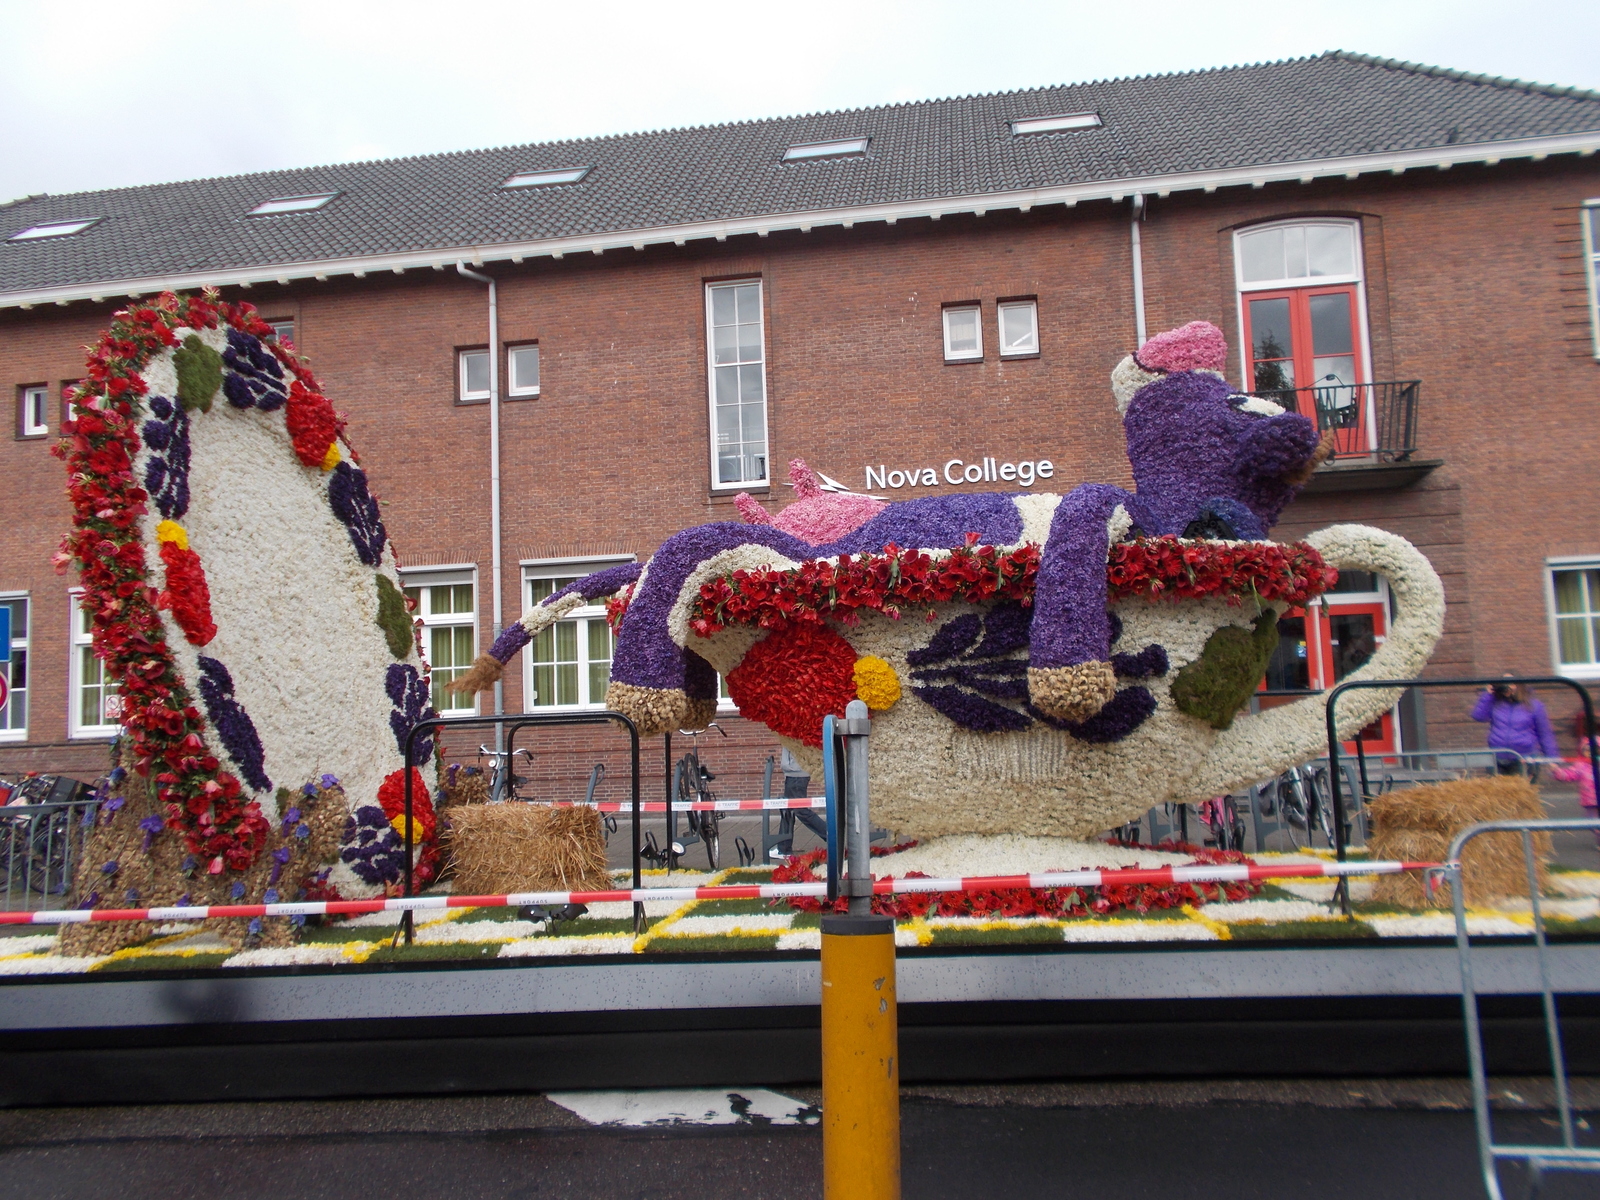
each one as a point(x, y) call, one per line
point(1306, 341)
point(1350, 633)
point(1322, 644)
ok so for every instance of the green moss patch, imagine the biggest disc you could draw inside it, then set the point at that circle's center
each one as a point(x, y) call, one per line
point(199, 370)
point(719, 943)
point(167, 962)
point(1215, 686)
point(393, 618)
point(956, 935)
point(1295, 930)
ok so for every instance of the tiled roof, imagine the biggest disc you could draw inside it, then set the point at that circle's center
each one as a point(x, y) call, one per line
point(1336, 106)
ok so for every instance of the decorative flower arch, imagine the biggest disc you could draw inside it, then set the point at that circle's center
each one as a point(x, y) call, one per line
point(240, 583)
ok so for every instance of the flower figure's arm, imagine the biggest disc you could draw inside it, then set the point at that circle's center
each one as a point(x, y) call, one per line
point(1070, 676)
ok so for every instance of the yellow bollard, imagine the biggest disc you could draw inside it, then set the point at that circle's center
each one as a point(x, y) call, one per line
point(860, 1060)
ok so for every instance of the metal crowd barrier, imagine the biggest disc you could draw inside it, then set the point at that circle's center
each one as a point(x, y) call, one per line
point(1566, 1155)
point(40, 845)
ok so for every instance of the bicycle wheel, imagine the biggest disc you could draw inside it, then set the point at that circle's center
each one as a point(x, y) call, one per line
point(711, 834)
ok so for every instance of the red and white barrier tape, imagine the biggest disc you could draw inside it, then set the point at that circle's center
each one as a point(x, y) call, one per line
point(656, 806)
point(1158, 876)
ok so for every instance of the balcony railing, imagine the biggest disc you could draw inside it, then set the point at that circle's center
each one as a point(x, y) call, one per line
point(1374, 422)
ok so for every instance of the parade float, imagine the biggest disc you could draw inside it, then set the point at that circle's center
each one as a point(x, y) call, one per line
point(1040, 669)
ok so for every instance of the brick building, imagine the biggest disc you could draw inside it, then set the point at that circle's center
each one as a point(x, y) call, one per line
point(896, 295)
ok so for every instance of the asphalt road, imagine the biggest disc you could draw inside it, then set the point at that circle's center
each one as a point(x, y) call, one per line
point(1328, 1140)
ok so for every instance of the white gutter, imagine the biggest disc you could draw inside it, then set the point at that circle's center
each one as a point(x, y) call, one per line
point(1138, 270)
point(494, 480)
point(1115, 190)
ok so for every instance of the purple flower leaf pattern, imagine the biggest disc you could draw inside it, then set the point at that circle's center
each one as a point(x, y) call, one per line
point(166, 474)
point(255, 377)
point(233, 725)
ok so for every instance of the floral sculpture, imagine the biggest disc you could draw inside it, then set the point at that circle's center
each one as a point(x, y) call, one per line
point(1089, 652)
point(243, 594)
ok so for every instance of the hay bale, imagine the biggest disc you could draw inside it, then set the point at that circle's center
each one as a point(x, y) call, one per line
point(1417, 825)
point(493, 849)
point(464, 785)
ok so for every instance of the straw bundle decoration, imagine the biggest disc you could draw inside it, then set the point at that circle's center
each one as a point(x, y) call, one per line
point(494, 849)
point(1417, 825)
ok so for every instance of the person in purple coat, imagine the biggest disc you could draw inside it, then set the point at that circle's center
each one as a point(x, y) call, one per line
point(1518, 722)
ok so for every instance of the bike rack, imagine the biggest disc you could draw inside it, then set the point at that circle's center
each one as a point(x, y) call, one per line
point(1342, 890)
point(516, 725)
point(1568, 1155)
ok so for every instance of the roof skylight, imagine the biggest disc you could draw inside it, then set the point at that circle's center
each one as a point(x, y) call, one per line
point(290, 204)
point(51, 229)
point(1056, 124)
point(843, 148)
point(528, 179)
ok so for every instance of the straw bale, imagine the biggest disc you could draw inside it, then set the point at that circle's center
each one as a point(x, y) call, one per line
point(1417, 824)
point(494, 849)
point(464, 785)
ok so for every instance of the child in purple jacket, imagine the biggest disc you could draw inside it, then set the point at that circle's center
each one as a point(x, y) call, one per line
point(1517, 722)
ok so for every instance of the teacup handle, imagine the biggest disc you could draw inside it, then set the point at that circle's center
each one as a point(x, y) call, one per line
point(1260, 745)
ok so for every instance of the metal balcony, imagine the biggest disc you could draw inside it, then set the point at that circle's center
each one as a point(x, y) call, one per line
point(1374, 427)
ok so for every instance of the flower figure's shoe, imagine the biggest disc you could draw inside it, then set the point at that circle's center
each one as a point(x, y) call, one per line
point(1073, 693)
point(659, 710)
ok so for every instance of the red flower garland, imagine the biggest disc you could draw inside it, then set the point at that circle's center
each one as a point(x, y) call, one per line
point(792, 679)
point(204, 803)
point(1155, 568)
point(1030, 902)
point(187, 594)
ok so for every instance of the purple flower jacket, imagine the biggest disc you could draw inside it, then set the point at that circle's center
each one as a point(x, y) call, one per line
point(1524, 728)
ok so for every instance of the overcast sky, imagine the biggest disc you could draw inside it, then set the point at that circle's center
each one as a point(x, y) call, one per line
point(97, 95)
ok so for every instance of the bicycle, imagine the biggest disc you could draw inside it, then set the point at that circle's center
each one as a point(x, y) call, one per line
point(504, 782)
point(691, 784)
point(1302, 795)
point(1222, 816)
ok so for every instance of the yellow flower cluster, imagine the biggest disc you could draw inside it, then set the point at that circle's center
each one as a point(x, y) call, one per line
point(876, 683)
point(171, 531)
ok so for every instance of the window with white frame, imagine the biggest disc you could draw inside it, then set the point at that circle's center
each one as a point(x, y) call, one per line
point(14, 713)
point(94, 699)
point(1574, 599)
point(1591, 258)
point(1019, 328)
point(447, 606)
point(569, 664)
point(472, 376)
point(963, 333)
point(282, 329)
point(738, 379)
point(522, 367)
point(33, 406)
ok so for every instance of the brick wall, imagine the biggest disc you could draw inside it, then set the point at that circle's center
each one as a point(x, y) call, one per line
point(1474, 286)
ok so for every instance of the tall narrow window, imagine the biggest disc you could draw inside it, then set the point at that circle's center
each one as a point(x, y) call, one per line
point(569, 664)
point(282, 329)
point(1575, 617)
point(1304, 325)
point(963, 333)
point(1591, 257)
point(738, 377)
point(14, 713)
point(95, 702)
point(447, 607)
point(1019, 328)
point(472, 376)
point(33, 406)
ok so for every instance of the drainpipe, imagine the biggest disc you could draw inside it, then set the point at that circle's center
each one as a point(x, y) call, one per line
point(494, 480)
point(1138, 269)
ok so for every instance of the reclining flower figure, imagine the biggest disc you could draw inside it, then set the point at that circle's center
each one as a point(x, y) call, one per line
point(1207, 462)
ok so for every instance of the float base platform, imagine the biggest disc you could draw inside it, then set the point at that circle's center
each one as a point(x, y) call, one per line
point(679, 1020)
